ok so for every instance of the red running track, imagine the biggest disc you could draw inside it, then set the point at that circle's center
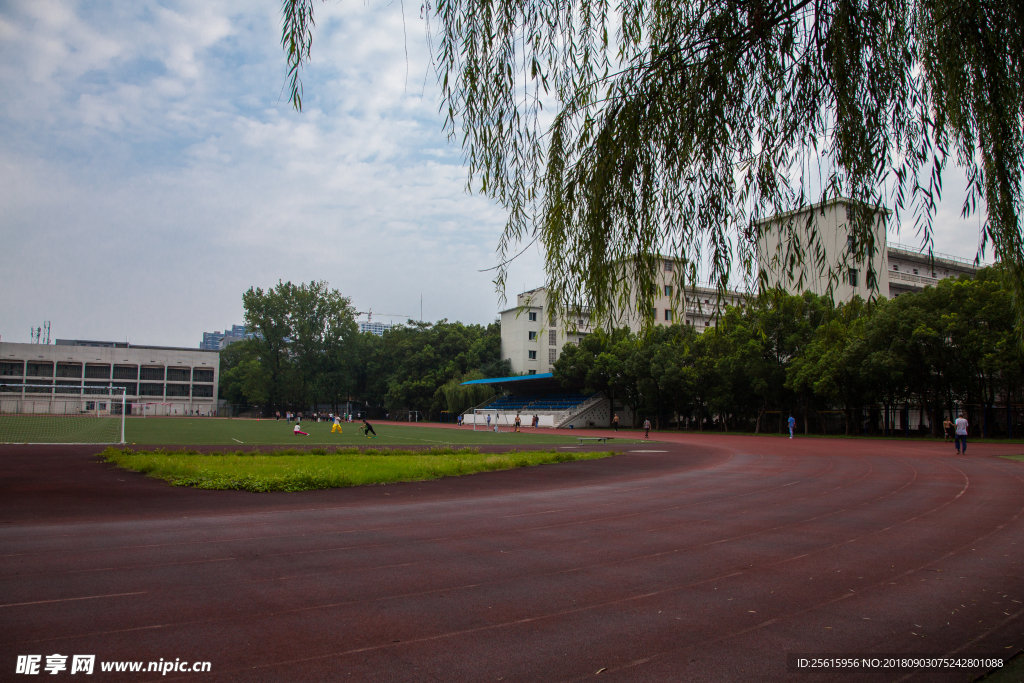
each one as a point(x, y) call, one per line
point(708, 558)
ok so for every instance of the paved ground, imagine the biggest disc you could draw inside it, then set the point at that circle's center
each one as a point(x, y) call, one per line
point(697, 558)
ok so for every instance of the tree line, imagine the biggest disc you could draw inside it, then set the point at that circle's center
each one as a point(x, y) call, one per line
point(307, 351)
point(943, 349)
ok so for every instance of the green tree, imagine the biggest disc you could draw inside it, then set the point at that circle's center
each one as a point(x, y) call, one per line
point(677, 126)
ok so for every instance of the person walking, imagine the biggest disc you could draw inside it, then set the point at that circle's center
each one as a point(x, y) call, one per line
point(647, 428)
point(615, 422)
point(947, 430)
point(961, 435)
point(792, 425)
point(489, 421)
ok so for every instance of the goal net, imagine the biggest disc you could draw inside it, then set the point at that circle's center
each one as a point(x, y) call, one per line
point(52, 413)
point(491, 419)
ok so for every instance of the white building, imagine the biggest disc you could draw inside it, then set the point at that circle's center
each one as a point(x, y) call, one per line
point(374, 328)
point(158, 380)
point(898, 269)
point(532, 342)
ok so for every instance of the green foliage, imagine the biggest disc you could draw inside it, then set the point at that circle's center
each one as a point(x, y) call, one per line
point(940, 348)
point(298, 470)
point(408, 367)
point(305, 340)
point(615, 133)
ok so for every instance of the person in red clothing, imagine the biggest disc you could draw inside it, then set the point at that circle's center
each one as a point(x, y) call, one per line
point(298, 430)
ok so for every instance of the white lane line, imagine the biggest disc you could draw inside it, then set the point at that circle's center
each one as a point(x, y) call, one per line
point(234, 439)
point(90, 597)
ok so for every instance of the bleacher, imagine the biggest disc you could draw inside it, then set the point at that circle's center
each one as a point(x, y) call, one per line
point(537, 403)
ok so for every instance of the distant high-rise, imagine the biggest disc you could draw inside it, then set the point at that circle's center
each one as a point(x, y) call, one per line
point(374, 328)
point(215, 341)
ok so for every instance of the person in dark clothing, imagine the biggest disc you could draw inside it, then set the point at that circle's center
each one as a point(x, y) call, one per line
point(367, 428)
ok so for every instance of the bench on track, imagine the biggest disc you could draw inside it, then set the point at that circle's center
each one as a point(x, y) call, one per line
point(599, 439)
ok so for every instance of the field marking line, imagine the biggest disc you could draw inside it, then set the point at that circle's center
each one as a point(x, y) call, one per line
point(234, 439)
point(89, 597)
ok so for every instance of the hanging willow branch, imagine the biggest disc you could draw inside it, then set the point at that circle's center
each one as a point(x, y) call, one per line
point(617, 133)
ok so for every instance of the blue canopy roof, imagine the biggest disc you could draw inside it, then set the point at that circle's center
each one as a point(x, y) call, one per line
point(502, 380)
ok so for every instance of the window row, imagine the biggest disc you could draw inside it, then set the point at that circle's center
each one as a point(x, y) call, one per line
point(104, 371)
point(131, 389)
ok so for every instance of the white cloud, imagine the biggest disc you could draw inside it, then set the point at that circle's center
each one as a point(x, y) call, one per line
point(153, 170)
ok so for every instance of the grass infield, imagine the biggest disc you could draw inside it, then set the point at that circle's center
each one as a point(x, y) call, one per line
point(321, 468)
point(212, 431)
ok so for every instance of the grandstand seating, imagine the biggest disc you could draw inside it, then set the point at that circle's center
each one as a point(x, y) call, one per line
point(538, 403)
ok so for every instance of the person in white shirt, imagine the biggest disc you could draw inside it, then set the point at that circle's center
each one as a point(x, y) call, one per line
point(960, 439)
point(298, 430)
point(337, 424)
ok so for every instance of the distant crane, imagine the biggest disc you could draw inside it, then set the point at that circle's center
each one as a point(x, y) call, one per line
point(369, 315)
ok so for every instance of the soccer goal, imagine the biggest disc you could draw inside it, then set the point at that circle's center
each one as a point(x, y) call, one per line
point(498, 422)
point(61, 413)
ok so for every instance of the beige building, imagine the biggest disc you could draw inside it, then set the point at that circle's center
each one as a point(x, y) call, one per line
point(533, 345)
point(532, 342)
point(158, 380)
point(899, 269)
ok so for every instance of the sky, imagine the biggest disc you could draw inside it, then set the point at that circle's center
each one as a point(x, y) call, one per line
point(152, 170)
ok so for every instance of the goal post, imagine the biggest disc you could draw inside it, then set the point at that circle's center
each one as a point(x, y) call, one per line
point(62, 413)
point(498, 419)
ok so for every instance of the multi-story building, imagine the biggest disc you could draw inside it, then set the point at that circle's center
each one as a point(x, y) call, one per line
point(898, 269)
point(532, 342)
point(216, 341)
point(374, 328)
point(158, 380)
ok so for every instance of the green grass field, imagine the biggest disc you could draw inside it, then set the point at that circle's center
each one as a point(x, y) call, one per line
point(206, 431)
point(323, 468)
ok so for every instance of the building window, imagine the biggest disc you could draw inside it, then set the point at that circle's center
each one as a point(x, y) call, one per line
point(126, 372)
point(12, 369)
point(533, 317)
point(853, 277)
point(69, 369)
point(178, 374)
point(707, 323)
point(531, 372)
point(151, 389)
point(849, 243)
point(915, 271)
point(202, 375)
point(668, 266)
point(533, 355)
point(668, 290)
point(895, 267)
point(97, 371)
point(153, 373)
point(689, 322)
point(39, 369)
point(551, 355)
point(668, 315)
point(552, 337)
point(533, 336)
point(202, 391)
point(178, 390)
